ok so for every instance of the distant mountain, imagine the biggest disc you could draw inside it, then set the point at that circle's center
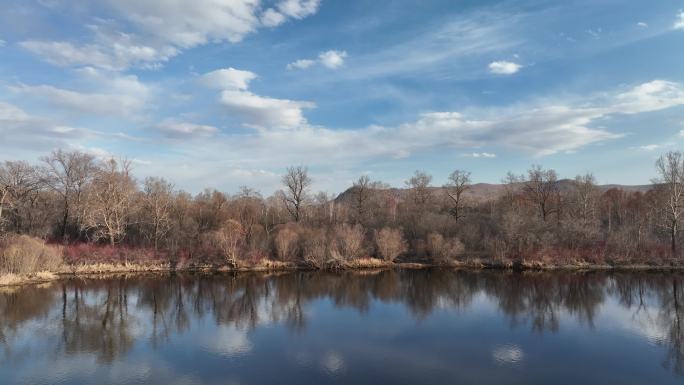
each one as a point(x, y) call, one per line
point(489, 191)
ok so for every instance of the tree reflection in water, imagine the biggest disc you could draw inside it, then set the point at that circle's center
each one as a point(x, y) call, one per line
point(106, 316)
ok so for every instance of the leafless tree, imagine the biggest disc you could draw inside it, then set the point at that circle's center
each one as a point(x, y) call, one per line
point(157, 201)
point(442, 250)
point(584, 198)
point(229, 239)
point(17, 181)
point(541, 188)
point(670, 184)
point(348, 241)
point(109, 203)
point(458, 184)
point(419, 188)
point(286, 242)
point(68, 174)
point(297, 183)
point(390, 243)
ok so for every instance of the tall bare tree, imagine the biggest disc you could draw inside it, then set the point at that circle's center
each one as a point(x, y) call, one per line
point(68, 174)
point(108, 212)
point(585, 197)
point(670, 185)
point(458, 184)
point(296, 182)
point(17, 181)
point(419, 188)
point(157, 202)
point(541, 188)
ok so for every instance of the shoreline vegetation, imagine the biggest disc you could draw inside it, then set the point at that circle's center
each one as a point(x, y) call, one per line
point(75, 214)
point(370, 264)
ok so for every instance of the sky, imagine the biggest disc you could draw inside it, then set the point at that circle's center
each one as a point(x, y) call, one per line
point(226, 93)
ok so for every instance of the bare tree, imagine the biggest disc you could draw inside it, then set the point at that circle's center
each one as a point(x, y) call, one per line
point(419, 188)
point(585, 196)
point(229, 239)
point(347, 241)
point(17, 181)
point(157, 200)
point(296, 182)
point(670, 185)
point(390, 243)
point(68, 174)
point(108, 212)
point(458, 184)
point(361, 190)
point(541, 188)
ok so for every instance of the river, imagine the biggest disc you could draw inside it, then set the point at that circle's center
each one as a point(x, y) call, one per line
point(366, 327)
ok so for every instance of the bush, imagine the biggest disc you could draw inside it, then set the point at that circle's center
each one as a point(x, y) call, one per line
point(21, 254)
point(314, 244)
point(390, 243)
point(347, 242)
point(441, 250)
point(230, 239)
point(286, 243)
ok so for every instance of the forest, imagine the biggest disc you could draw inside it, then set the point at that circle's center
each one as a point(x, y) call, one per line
point(72, 209)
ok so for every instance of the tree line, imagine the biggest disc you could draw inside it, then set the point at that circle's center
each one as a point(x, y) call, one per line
point(71, 197)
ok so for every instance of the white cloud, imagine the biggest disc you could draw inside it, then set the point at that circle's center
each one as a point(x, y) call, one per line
point(265, 112)
point(99, 93)
point(9, 112)
point(296, 9)
point(83, 102)
point(642, 24)
point(150, 32)
point(25, 135)
point(2, 43)
point(110, 50)
point(228, 78)
point(651, 96)
point(301, 64)
point(331, 59)
point(535, 129)
point(255, 110)
point(650, 147)
point(679, 24)
point(482, 155)
point(504, 67)
point(187, 24)
point(177, 129)
point(272, 18)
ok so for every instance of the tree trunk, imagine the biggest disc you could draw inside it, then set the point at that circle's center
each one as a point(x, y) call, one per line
point(65, 220)
point(673, 237)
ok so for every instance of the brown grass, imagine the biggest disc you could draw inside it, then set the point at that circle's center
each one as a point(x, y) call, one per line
point(24, 255)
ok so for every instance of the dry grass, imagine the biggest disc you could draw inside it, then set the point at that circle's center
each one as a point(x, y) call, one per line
point(367, 263)
point(24, 255)
point(268, 264)
point(96, 268)
point(20, 279)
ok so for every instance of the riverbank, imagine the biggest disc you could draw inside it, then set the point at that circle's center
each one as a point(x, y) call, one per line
point(280, 266)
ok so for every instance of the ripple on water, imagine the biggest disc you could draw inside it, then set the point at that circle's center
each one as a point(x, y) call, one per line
point(333, 363)
point(508, 355)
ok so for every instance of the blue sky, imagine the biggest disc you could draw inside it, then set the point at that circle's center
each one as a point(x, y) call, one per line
point(224, 93)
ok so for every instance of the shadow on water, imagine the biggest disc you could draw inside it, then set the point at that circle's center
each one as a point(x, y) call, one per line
point(106, 317)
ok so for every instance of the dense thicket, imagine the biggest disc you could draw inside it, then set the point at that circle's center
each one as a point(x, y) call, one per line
point(72, 198)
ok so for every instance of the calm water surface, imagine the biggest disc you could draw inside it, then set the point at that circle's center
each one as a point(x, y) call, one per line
point(389, 327)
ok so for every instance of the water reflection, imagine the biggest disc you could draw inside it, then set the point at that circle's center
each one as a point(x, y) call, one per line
point(107, 319)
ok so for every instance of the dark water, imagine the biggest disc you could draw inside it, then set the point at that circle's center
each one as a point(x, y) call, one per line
point(391, 327)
